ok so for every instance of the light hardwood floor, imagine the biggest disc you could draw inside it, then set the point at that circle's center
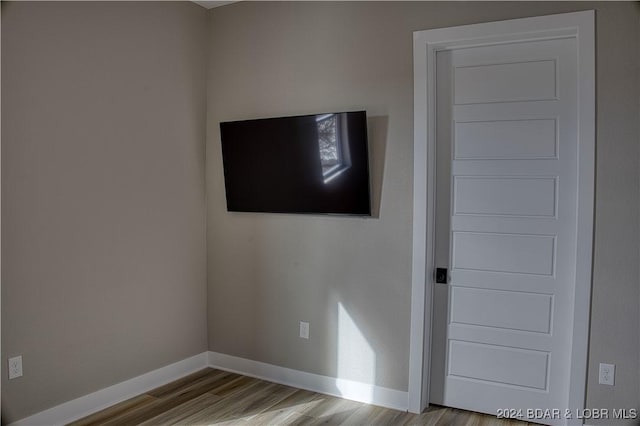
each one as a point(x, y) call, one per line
point(215, 397)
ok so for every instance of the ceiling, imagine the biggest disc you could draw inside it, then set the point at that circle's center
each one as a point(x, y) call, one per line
point(211, 4)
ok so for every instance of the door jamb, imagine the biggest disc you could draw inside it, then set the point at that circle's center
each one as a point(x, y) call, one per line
point(578, 25)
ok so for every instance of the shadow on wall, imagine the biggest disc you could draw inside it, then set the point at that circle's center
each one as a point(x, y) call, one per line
point(377, 132)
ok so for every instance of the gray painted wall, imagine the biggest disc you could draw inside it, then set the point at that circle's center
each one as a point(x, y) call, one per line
point(103, 200)
point(268, 271)
point(103, 186)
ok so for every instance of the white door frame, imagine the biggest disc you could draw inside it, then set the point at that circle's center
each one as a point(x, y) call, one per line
point(578, 25)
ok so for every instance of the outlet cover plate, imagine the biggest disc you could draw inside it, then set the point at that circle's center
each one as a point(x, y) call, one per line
point(15, 367)
point(607, 374)
point(304, 330)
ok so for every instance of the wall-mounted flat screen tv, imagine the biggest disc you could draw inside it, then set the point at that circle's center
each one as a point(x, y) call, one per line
point(316, 164)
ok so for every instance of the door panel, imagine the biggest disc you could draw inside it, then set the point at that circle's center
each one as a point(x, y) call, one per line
point(498, 364)
point(506, 225)
point(507, 195)
point(507, 82)
point(513, 310)
point(494, 252)
point(506, 139)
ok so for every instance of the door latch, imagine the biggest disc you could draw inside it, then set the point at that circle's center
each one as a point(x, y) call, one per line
point(442, 276)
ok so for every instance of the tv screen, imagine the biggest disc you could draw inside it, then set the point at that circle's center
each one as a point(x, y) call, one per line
point(304, 164)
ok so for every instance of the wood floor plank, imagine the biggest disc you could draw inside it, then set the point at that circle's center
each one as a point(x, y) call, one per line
point(300, 420)
point(182, 411)
point(280, 417)
point(288, 410)
point(135, 416)
point(407, 419)
point(452, 417)
point(245, 403)
point(231, 406)
point(432, 416)
point(373, 415)
point(186, 382)
point(299, 400)
point(173, 399)
point(336, 418)
point(217, 397)
point(133, 404)
point(227, 388)
point(256, 399)
point(331, 410)
point(215, 413)
point(263, 400)
point(204, 385)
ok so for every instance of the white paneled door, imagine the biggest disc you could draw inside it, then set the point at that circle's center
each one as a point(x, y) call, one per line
point(506, 227)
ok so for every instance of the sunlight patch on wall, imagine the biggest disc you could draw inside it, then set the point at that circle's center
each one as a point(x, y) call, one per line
point(356, 359)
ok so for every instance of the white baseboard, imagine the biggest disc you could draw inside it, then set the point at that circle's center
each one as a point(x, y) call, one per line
point(342, 388)
point(99, 400)
point(96, 401)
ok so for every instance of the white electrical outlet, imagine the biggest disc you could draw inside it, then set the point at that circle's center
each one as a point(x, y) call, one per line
point(15, 367)
point(304, 330)
point(607, 374)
